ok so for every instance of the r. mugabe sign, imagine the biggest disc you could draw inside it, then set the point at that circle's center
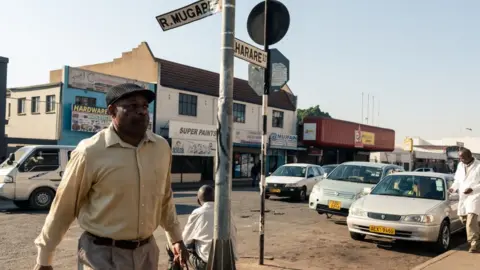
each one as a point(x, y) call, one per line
point(193, 12)
point(250, 53)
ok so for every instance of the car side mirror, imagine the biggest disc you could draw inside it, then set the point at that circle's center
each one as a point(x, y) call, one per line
point(11, 159)
point(453, 197)
point(311, 176)
point(325, 175)
point(367, 190)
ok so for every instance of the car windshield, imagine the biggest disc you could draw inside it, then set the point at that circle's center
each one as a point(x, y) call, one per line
point(18, 156)
point(414, 186)
point(356, 173)
point(291, 171)
point(328, 169)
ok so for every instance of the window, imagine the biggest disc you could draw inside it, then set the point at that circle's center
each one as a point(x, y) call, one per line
point(21, 105)
point(356, 174)
point(50, 103)
point(319, 171)
point(35, 104)
point(277, 119)
point(86, 101)
point(400, 185)
point(9, 110)
point(187, 105)
point(239, 113)
point(312, 172)
point(69, 155)
point(42, 160)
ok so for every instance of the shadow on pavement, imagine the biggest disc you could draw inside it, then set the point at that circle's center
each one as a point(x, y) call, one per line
point(14, 210)
point(185, 209)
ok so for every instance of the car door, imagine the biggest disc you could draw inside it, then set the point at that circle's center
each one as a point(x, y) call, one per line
point(312, 174)
point(455, 223)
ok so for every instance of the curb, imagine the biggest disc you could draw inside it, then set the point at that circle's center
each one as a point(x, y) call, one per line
point(440, 257)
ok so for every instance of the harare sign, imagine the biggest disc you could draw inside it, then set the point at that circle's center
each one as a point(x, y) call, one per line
point(250, 53)
point(185, 15)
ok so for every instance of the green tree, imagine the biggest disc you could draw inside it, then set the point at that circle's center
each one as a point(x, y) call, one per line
point(312, 111)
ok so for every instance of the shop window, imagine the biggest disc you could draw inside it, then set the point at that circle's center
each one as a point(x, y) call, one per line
point(50, 103)
point(21, 105)
point(239, 113)
point(9, 109)
point(35, 104)
point(277, 119)
point(86, 101)
point(187, 105)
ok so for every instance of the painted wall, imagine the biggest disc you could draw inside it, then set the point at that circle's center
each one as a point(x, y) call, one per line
point(69, 137)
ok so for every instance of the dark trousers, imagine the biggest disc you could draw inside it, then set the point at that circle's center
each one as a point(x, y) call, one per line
point(254, 179)
point(194, 259)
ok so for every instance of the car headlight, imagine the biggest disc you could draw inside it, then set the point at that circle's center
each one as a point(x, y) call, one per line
point(418, 218)
point(357, 212)
point(291, 185)
point(7, 179)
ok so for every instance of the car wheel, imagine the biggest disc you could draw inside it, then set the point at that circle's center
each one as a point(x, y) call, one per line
point(302, 195)
point(41, 198)
point(22, 204)
point(357, 236)
point(443, 241)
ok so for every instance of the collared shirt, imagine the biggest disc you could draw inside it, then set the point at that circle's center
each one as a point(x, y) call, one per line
point(468, 177)
point(115, 190)
point(199, 228)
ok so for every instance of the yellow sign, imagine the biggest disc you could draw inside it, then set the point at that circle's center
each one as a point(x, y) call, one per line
point(368, 138)
point(408, 144)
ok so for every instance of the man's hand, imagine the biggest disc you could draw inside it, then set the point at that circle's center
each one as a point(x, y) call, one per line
point(42, 267)
point(181, 253)
point(468, 191)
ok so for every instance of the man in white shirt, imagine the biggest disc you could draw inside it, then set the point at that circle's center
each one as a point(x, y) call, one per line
point(467, 184)
point(198, 232)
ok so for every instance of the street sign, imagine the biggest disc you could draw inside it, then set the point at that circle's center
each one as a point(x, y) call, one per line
point(256, 78)
point(279, 73)
point(280, 70)
point(187, 14)
point(250, 53)
point(278, 22)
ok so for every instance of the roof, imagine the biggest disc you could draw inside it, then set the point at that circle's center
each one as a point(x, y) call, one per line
point(427, 174)
point(35, 87)
point(369, 164)
point(187, 78)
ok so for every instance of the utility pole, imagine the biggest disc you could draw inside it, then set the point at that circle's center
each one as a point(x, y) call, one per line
point(362, 110)
point(263, 170)
point(3, 101)
point(368, 107)
point(222, 254)
point(373, 110)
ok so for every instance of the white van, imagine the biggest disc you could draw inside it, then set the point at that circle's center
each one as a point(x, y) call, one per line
point(30, 176)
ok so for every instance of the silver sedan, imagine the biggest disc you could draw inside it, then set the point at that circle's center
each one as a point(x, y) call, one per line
point(410, 206)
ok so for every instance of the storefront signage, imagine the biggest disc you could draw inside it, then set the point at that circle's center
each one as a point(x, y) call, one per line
point(92, 119)
point(89, 80)
point(191, 13)
point(192, 131)
point(363, 138)
point(193, 148)
point(283, 140)
point(358, 138)
point(248, 137)
point(309, 131)
point(408, 144)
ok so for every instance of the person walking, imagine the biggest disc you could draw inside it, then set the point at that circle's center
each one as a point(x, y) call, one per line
point(254, 173)
point(467, 184)
point(118, 186)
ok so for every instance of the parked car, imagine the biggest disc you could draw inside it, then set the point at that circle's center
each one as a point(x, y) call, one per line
point(410, 206)
point(335, 194)
point(424, 170)
point(30, 176)
point(329, 168)
point(294, 180)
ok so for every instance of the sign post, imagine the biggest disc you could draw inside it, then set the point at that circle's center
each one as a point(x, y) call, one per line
point(260, 24)
point(221, 255)
point(408, 146)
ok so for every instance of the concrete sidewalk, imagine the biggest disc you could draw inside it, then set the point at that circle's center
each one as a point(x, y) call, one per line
point(458, 259)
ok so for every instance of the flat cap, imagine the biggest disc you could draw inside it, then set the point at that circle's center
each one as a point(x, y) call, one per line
point(125, 90)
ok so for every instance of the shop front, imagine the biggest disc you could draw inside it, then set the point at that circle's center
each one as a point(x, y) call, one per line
point(282, 150)
point(246, 152)
point(193, 151)
point(84, 109)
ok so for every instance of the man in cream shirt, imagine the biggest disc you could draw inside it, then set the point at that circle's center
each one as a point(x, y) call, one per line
point(467, 184)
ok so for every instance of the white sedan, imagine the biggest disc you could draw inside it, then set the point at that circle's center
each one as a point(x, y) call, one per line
point(408, 206)
point(294, 180)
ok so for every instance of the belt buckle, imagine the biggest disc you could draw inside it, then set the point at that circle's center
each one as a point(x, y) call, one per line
point(113, 243)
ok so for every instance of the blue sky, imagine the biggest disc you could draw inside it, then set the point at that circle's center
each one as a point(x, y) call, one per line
point(420, 59)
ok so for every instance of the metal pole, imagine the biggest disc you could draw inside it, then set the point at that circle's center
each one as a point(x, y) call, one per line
point(362, 109)
point(221, 254)
point(373, 110)
point(3, 104)
point(263, 170)
point(368, 107)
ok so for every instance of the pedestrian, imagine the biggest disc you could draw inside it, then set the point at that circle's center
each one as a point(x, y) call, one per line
point(254, 173)
point(198, 232)
point(467, 184)
point(118, 186)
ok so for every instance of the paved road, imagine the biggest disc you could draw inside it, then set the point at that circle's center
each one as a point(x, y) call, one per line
point(294, 234)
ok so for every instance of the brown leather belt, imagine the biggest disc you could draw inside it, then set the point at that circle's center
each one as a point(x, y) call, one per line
point(123, 244)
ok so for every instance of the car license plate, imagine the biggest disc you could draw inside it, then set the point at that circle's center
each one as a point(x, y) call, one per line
point(336, 205)
point(382, 230)
point(275, 190)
